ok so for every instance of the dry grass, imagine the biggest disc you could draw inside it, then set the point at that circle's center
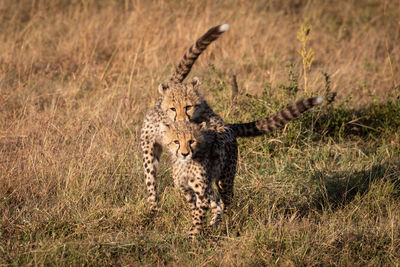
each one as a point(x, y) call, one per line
point(76, 78)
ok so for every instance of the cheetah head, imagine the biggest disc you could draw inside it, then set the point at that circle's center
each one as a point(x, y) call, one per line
point(182, 101)
point(182, 139)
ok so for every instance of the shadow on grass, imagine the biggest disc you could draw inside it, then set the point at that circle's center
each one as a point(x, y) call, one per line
point(339, 189)
point(369, 121)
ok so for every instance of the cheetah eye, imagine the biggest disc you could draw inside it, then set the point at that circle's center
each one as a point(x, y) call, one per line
point(191, 142)
point(176, 142)
point(188, 107)
point(173, 109)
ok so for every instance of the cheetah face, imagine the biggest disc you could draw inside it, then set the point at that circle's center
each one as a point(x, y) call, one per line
point(181, 101)
point(182, 139)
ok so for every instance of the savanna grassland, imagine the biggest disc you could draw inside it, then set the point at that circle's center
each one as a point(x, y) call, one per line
point(77, 77)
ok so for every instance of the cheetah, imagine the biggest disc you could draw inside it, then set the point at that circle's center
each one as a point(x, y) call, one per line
point(205, 154)
point(197, 159)
point(181, 101)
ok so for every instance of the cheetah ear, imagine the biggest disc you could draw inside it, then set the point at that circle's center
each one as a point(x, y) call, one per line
point(195, 82)
point(162, 88)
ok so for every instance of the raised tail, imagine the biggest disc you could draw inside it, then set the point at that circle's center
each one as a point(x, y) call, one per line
point(276, 120)
point(191, 55)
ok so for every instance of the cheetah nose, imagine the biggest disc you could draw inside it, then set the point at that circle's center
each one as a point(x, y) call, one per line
point(185, 154)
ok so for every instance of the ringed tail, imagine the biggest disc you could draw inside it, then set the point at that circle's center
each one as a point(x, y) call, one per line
point(191, 55)
point(275, 121)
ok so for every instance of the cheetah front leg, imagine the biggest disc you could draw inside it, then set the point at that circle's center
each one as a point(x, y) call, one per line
point(205, 198)
point(202, 205)
point(151, 158)
point(190, 197)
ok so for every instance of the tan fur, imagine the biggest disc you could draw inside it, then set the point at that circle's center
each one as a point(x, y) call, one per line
point(178, 100)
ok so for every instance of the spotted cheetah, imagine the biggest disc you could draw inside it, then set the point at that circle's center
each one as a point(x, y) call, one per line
point(206, 153)
point(181, 101)
point(197, 159)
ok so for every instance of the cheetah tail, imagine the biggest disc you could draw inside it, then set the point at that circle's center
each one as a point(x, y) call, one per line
point(276, 120)
point(191, 55)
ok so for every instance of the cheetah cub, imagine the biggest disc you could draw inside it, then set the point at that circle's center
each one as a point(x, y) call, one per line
point(197, 163)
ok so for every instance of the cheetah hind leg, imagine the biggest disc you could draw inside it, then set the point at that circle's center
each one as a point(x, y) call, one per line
point(226, 182)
